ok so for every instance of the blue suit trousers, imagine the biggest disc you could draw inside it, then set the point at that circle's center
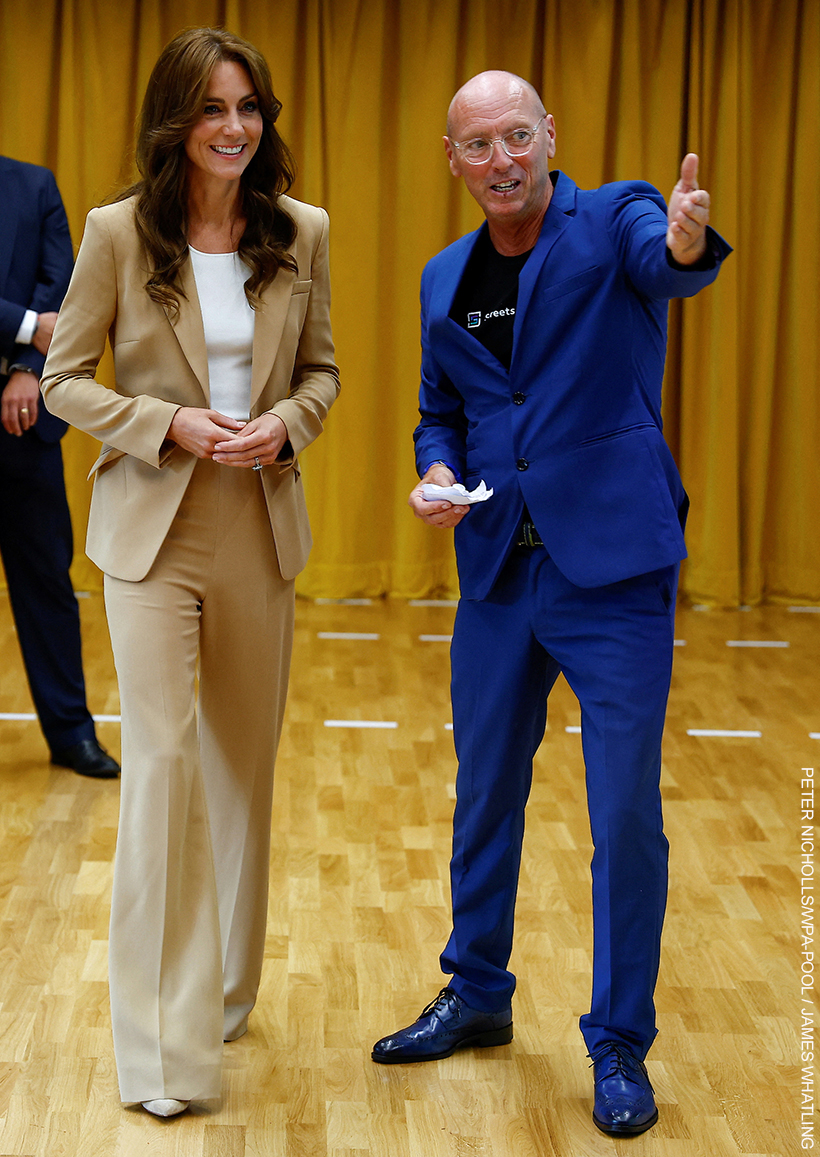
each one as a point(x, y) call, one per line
point(37, 545)
point(614, 645)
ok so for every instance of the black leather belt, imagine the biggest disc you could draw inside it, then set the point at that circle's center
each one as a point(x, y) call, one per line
point(528, 535)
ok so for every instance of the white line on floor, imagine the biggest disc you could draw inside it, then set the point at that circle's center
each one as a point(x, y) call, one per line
point(343, 602)
point(756, 643)
point(715, 733)
point(372, 723)
point(356, 636)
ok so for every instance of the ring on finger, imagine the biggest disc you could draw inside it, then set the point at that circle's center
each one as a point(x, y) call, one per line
point(257, 465)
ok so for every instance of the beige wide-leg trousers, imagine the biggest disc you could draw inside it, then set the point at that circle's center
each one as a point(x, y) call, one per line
point(191, 873)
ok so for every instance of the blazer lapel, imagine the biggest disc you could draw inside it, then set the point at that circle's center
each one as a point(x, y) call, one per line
point(269, 321)
point(443, 328)
point(448, 280)
point(189, 330)
point(447, 333)
point(558, 216)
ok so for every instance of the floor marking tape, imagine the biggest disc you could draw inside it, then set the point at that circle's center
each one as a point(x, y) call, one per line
point(715, 733)
point(755, 643)
point(357, 636)
point(373, 723)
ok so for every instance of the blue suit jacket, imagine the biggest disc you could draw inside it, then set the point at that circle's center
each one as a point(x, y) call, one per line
point(574, 429)
point(36, 260)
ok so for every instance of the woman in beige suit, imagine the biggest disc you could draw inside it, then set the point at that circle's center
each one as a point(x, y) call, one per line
point(212, 286)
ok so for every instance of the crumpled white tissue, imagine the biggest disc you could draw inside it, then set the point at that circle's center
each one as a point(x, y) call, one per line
point(457, 494)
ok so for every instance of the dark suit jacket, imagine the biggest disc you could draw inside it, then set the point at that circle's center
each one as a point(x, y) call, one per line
point(36, 259)
point(574, 429)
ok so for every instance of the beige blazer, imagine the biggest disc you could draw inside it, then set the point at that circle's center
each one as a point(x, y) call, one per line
point(161, 363)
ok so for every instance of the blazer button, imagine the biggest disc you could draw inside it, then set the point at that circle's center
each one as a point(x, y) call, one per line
point(518, 397)
point(522, 464)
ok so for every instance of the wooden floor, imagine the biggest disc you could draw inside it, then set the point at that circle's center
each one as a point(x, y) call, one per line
point(359, 913)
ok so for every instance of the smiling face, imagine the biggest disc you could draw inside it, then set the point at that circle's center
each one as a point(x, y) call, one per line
point(225, 138)
point(514, 192)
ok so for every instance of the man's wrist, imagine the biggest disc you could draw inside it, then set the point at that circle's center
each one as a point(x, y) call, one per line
point(707, 260)
point(441, 462)
point(20, 368)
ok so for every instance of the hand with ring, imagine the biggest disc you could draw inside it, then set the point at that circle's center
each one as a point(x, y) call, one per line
point(258, 445)
point(19, 404)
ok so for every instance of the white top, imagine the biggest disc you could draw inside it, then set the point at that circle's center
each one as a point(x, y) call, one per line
point(228, 322)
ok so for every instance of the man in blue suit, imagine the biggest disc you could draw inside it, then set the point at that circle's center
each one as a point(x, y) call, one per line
point(543, 345)
point(36, 259)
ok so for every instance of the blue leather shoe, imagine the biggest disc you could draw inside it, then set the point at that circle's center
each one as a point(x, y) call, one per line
point(444, 1026)
point(624, 1099)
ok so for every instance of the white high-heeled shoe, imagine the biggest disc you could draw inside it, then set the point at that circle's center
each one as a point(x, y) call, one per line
point(165, 1108)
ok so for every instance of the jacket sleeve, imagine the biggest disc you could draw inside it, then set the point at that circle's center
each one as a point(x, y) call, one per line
point(55, 258)
point(11, 318)
point(441, 433)
point(637, 223)
point(135, 425)
point(315, 379)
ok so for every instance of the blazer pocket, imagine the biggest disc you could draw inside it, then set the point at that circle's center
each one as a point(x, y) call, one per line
point(570, 284)
point(301, 287)
point(610, 434)
point(108, 454)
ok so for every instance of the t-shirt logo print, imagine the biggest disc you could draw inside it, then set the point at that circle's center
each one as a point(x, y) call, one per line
point(474, 319)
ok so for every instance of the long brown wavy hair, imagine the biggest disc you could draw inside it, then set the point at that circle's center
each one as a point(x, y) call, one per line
point(173, 103)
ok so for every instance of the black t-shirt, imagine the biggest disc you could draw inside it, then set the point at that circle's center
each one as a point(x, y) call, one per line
point(486, 297)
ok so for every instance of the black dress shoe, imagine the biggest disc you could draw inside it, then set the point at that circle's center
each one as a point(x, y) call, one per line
point(444, 1026)
point(87, 758)
point(624, 1100)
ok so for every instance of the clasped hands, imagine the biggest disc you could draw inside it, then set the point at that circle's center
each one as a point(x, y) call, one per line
point(209, 434)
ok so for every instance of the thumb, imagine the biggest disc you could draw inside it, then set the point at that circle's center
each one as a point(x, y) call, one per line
point(689, 171)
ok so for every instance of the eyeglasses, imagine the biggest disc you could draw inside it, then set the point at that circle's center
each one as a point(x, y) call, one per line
point(515, 144)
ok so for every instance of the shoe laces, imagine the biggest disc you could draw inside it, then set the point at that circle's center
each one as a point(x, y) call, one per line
point(446, 1001)
point(622, 1063)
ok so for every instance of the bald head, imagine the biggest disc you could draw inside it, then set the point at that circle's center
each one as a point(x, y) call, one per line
point(492, 117)
point(493, 89)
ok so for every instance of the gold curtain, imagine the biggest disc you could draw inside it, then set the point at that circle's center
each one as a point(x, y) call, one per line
point(633, 85)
